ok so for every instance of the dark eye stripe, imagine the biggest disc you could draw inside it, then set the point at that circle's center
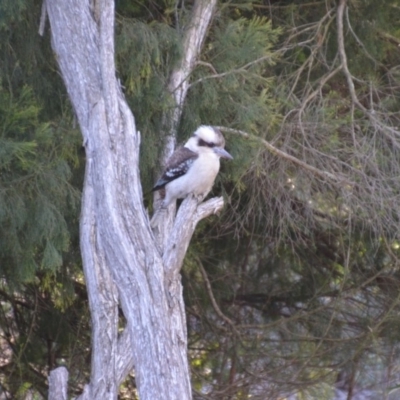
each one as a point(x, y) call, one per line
point(205, 144)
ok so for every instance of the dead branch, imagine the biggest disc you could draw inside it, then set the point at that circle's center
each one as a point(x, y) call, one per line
point(386, 130)
point(58, 384)
point(323, 174)
point(212, 298)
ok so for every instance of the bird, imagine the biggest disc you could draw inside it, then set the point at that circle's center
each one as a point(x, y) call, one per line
point(193, 167)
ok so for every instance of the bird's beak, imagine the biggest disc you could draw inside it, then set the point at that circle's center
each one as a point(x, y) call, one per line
point(222, 153)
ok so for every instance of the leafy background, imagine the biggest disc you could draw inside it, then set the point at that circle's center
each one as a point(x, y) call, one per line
point(294, 288)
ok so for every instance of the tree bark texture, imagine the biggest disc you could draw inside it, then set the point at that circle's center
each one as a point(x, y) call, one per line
point(178, 85)
point(179, 81)
point(122, 261)
point(58, 380)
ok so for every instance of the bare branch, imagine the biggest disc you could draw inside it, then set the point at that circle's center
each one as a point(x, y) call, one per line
point(232, 71)
point(178, 84)
point(58, 384)
point(192, 45)
point(286, 156)
point(189, 214)
point(208, 65)
point(318, 39)
point(360, 43)
point(342, 52)
point(390, 38)
point(210, 207)
point(43, 16)
point(386, 130)
point(212, 298)
point(321, 84)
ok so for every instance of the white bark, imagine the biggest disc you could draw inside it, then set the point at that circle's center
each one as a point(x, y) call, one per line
point(58, 380)
point(178, 85)
point(120, 255)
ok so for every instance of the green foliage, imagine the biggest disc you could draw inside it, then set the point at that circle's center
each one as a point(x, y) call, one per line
point(11, 13)
point(301, 266)
point(41, 314)
point(26, 58)
point(306, 270)
point(146, 54)
point(231, 87)
point(234, 76)
point(34, 188)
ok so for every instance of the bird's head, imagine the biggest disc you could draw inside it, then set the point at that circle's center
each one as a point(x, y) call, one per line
point(208, 139)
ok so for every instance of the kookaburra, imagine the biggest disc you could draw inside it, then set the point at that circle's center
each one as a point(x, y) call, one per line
point(193, 167)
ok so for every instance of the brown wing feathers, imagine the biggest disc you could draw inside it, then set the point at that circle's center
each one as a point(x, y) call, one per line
point(178, 164)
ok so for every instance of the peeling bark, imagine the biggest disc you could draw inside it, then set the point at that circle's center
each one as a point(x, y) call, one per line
point(121, 258)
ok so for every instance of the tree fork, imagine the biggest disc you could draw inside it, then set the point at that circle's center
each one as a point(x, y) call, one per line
point(117, 244)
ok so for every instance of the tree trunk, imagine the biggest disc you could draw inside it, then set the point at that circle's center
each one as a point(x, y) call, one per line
point(121, 259)
point(178, 85)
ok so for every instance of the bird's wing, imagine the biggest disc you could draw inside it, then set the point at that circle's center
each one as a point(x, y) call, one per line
point(177, 165)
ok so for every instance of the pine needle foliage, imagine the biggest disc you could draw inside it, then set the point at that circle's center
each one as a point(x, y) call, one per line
point(303, 270)
point(27, 58)
point(146, 54)
point(302, 267)
point(35, 159)
point(11, 12)
point(231, 85)
point(43, 313)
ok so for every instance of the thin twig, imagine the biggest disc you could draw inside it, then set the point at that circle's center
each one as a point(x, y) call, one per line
point(277, 6)
point(360, 43)
point(212, 298)
point(43, 16)
point(232, 71)
point(208, 65)
point(386, 130)
point(280, 153)
point(322, 82)
point(320, 38)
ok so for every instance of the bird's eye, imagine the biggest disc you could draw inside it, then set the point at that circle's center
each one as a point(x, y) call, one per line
point(202, 143)
point(205, 144)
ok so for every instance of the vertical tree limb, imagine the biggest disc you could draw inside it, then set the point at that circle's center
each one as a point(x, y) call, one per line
point(103, 300)
point(116, 238)
point(76, 24)
point(178, 86)
point(192, 44)
point(58, 384)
